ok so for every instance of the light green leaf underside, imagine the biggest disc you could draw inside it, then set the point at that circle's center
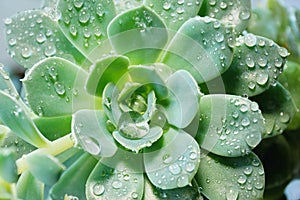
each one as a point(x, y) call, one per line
point(90, 133)
point(108, 69)
point(279, 111)
point(56, 81)
point(290, 80)
point(72, 181)
point(174, 13)
point(139, 34)
point(15, 116)
point(117, 177)
point(256, 65)
point(8, 167)
point(184, 96)
point(29, 188)
point(200, 47)
point(6, 84)
point(231, 178)
point(229, 125)
point(235, 13)
point(172, 161)
point(85, 22)
point(154, 193)
point(33, 36)
point(44, 168)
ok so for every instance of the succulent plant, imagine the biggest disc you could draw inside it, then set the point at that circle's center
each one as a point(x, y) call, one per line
point(139, 100)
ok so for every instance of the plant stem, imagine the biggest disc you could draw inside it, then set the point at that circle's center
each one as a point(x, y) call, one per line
point(56, 147)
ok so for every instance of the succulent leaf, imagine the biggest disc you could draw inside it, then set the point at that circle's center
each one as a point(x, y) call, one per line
point(8, 167)
point(229, 125)
point(29, 187)
point(172, 161)
point(6, 84)
point(231, 178)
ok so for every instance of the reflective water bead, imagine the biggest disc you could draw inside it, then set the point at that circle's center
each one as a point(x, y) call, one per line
point(283, 52)
point(262, 79)
point(98, 189)
point(232, 193)
point(167, 6)
point(174, 169)
point(250, 40)
point(59, 88)
point(245, 14)
point(242, 179)
point(183, 180)
point(26, 52)
point(116, 184)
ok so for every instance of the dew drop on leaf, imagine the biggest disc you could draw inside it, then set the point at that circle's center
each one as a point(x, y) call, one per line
point(183, 180)
point(84, 16)
point(59, 88)
point(248, 170)
point(232, 193)
point(40, 38)
point(50, 50)
point(242, 179)
point(190, 167)
point(116, 184)
point(174, 169)
point(262, 79)
point(98, 189)
point(245, 14)
point(283, 52)
point(284, 117)
point(250, 40)
point(78, 3)
point(26, 52)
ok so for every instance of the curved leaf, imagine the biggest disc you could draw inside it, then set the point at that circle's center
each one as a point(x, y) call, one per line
point(183, 99)
point(234, 13)
point(139, 34)
point(33, 36)
point(8, 167)
point(29, 188)
point(6, 84)
point(15, 116)
point(229, 125)
point(90, 133)
point(256, 65)
point(78, 173)
point(85, 22)
point(56, 81)
point(200, 47)
point(122, 6)
point(45, 168)
point(108, 69)
point(117, 177)
point(231, 178)
point(279, 111)
point(174, 13)
point(172, 161)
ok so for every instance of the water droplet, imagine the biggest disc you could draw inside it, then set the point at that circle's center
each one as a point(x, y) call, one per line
point(259, 185)
point(232, 193)
point(40, 38)
point(73, 30)
point(59, 88)
point(8, 21)
point(235, 114)
point(100, 10)
point(39, 111)
point(98, 189)
point(180, 10)
point(242, 179)
point(251, 85)
point(212, 2)
point(250, 62)
point(283, 52)
point(183, 180)
point(84, 16)
point(223, 5)
point(190, 167)
point(134, 195)
point(78, 3)
point(244, 108)
point(255, 162)
point(248, 170)
point(12, 41)
point(278, 62)
point(245, 14)
point(26, 52)
point(245, 122)
point(117, 184)
point(253, 139)
point(167, 6)
point(50, 50)
point(250, 40)
point(262, 79)
point(90, 145)
point(53, 73)
point(193, 155)
point(219, 37)
point(262, 61)
point(284, 117)
point(254, 106)
point(174, 169)
point(167, 158)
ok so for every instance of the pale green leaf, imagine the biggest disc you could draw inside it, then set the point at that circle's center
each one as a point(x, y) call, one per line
point(118, 177)
point(8, 167)
point(122, 6)
point(56, 81)
point(33, 36)
point(5, 82)
point(231, 178)
point(175, 13)
point(29, 188)
point(173, 161)
point(89, 129)
point(229, 125)
point(200, 47)
point(139, 34)
point(4, 130)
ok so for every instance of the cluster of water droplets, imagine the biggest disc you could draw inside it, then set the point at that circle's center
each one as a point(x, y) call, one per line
point(85, 21)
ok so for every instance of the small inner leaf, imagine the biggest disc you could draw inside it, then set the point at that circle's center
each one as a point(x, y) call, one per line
point(231, 178)
point(29, 187)
point(229, 125)
point(278, 111)
point(172, 161)
point(8, 167)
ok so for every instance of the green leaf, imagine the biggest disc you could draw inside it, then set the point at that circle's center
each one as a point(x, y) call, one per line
point(84, 23)
point(290, 80)
point(117, 177)
point(7, 190)
point(229, 125)
point(174, 13)
point(73, 180)
point(231, 178)
point(183, 99)
point(137, 144)
point(56, 81)
point(45, 168)
point(29, 188)
point(90, 133)
point(8, 167)
point(6, 84)
point(155, 193)
point(33, 36)
point(200, 47)
point(234, 13)
point(122, 6)
point(16, 117)
point(256, 65)
point(54, 127)
point(279, 111)
point(4, 130)
point(108, 69)
point(173, 161)
point(139, 34)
